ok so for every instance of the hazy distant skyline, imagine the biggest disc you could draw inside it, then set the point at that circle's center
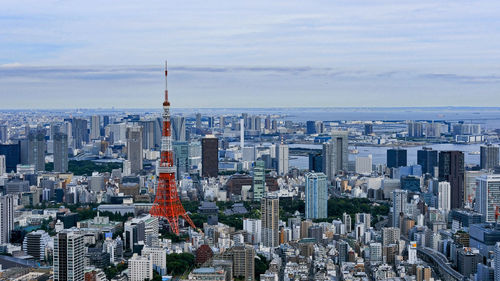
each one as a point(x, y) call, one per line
point(69, 54)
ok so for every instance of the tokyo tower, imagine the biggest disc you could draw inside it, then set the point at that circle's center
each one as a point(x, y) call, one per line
point(167, 203)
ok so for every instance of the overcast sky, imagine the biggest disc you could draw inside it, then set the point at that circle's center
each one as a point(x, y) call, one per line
point(68, 54)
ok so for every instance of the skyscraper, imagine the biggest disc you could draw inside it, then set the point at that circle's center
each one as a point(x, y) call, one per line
point(3, 165)
point(311, 127)
point(364, 165)
point(489, 156)
point(415, 129)
point(95, 127)
point(4, 137)
point(497, 261)
point(399, 200)
point(179, 128)
point(134, 148)
point(80, 132)
point(316, 196)
point(60, 153)
point(244, 262)
point(68, 256)
point(282, 158)
point(36, 149)
point(452, 170)
point(12, 153)
point(368, 129)
point(488, 196)
point(347, 220)
point(396, 158)
point(259, 180)
point(198, 121)
point(6, 217)
point(444, 199)
point(269, 206)
point(181, 158)
point(209, 156)
point(428, 159)
point(336, 154)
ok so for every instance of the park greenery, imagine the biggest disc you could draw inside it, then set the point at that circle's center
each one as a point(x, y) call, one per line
point(87, 167)
point(178, 264)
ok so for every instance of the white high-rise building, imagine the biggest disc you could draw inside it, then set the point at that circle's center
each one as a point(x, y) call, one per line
point(254, 229)
point(347, 220)
point(282, 157)
point(158, 256)
point(488, 196)
point(140, 268)
point(364, 165)
point(375, 252)
point(412, 253)
point(6, 217)
point(68, 256)
point(3, 165)
point(134, 148)
point(444, 196)
point(399, 202)
point(95, 127)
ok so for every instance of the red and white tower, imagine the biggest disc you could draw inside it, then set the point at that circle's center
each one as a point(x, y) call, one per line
point(167, 203)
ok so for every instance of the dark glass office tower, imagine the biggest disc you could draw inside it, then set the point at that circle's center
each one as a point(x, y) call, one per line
point(209, 156)
point(428, 159)
point(396, 158)
point(452, 170)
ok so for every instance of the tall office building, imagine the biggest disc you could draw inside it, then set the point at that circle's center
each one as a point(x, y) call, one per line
point(489, 156)
point(336, 154)
point(259, 180)
point(140, 268)
point(444, 196)
point(12, 153)
point(316, 196)
point(3, 165)
point(282, 158)
point(198, 120)
point(396, 158)
point(80, 132)
point(488, 196)
point(452, 170)
point(95, 127)
point(210, 157)
point(60, 153)
point(36, 149)
point(181, 158)
point(269, 206)
point(364, 165)
point(315, 162)
point(34, 244)
point(368, 129)
point(311, 127)
point(6, 217)
point(347, 220)
point(4, 134)
point(68, 256)
point(149, 138)
point(428, 159)
point(244, 262)
point(470, 186)
point(178, 128)
point(134, 148)
point(399, 202)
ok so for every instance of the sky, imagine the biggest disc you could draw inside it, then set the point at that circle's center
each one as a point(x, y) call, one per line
point(334, 53)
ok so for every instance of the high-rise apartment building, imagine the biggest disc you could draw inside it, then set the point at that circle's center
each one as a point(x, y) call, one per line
point(399, 202)
point(270, 220)
point(259, 180)
point(6, 218)
point(364, 165)
point(396, 158)
point(390, 235)
point(60, 153)
point(95, 127)
point(347, 220)
point(181, 158)
point(415, 129)
point(452, 170)
point(489, 156)
point(68, 256)
point(80, 132)
point(4, 134)
point(244, 262)
point(134, 148)
point(282, 158)
point(198, 120)
point(209, 157)
point(488, 196)
point(3, 165)
point(336, 154)
point(428, 159)
point(178, 128)
point(316, 196)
